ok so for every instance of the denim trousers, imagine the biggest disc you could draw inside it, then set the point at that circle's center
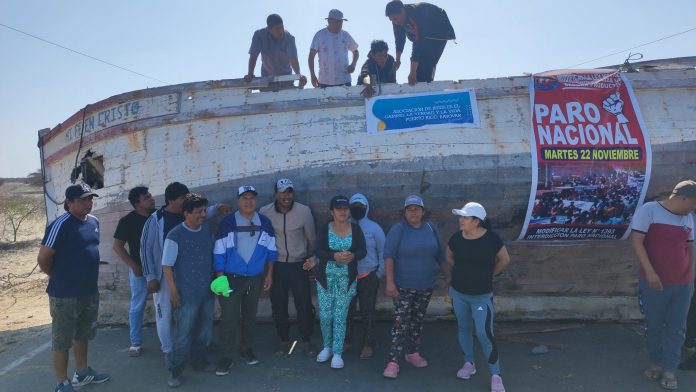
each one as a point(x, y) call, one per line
point(192, 331)
point(138, 288)
point(665, 321)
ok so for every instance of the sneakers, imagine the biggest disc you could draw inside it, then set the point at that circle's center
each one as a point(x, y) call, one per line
point(309, 349)
point(337, 362)
point(65, 386)
point(135, 351)
point(175, 379)
point(392, 370)
point(249, 357)
point(466, 371)
point(90, 377)
point(324, 355)
point(223, 367)
point(416, 360)
point(497, 384)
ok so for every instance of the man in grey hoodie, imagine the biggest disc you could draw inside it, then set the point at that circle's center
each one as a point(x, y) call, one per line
point(370, 272)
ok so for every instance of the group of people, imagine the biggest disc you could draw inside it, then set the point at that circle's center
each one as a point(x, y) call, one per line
point(425, 25)
point(172, 253)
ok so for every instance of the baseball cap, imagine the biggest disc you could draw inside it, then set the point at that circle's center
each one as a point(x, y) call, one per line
point(336, 14)
point(284, 184)
point(685, 188)
point(413, 200)
point(79, 191)
point(246, 188)
point(339, 201)
point(471, 209)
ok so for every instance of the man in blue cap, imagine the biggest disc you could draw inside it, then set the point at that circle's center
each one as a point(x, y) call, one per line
point(69, 255)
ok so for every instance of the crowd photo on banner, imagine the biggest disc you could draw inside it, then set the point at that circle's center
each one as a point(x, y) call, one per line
point(591, 167)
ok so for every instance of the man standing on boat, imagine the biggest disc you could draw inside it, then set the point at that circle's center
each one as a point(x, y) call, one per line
point(278, 53)
point(378, 68)
point(428, 28)
point(333, 44)
point(129, 231)
point(296, 239)
point(69, 255)
point(662, 237)
point(245, 252)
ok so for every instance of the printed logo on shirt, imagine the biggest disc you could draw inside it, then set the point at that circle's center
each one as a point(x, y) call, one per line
point(480, 308)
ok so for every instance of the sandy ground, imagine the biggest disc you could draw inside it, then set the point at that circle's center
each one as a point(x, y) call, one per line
point(23, 300)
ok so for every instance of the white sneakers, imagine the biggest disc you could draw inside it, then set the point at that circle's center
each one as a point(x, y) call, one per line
point(324, 355)
point(337, 362)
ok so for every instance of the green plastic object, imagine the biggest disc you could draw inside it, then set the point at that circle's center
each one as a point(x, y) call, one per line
point(221, 286)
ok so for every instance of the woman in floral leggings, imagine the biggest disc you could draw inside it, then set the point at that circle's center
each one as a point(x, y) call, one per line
point(412, 248)
point(339, 247)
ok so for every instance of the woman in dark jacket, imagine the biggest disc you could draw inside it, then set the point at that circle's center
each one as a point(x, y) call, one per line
point(339, 247)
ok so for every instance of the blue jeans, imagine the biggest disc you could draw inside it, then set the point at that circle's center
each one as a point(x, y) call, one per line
point(192, 331)
point(476, 310)
point(138, 287)
point(665, 322)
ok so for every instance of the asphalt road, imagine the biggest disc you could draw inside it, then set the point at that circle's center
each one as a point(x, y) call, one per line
point(592, 357)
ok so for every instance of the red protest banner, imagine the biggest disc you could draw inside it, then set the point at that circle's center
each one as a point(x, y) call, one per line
point(590, 156)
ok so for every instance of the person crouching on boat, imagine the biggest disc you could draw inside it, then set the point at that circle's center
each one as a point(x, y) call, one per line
point(412, 248)
point(378, 68)
point(474, 255)
point(339, 247)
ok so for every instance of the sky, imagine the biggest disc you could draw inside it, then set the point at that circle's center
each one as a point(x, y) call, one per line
point(177, 41)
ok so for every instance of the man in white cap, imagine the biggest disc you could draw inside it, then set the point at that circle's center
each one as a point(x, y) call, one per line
point(245, 251)
point(333, 44)
point(296, 238)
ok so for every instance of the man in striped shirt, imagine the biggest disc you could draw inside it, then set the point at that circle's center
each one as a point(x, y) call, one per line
point(69, 255)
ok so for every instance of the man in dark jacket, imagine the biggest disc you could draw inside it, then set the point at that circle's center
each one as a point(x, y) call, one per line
point(378, 68)
point(428, 27)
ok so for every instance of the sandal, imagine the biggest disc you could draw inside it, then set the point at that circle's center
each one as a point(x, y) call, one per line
point(366, 353)
point(669, 382)
point(653, 373)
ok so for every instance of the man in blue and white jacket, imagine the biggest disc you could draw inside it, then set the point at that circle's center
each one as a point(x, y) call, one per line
point(245, 251)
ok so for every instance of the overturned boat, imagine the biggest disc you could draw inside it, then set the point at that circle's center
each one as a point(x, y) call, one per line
point(215, 136)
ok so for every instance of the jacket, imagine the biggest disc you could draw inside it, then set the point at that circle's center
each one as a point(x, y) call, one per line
point(374, 241)
point(325, 253)
point(295, 234)
point(225, 256)
point(424, 21)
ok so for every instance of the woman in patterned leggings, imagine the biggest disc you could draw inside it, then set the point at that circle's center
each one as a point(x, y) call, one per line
point(339, 247)
point(412, 248)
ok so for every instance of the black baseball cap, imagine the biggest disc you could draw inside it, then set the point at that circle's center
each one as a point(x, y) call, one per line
point(79, 191)
point(339, 201)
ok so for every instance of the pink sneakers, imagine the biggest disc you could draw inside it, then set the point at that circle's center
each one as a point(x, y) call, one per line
point(392, 370)
point(466, 371)
point(416, 360)
point(497, 384)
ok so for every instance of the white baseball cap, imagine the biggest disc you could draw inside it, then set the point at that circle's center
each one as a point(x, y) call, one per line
point(471, 209)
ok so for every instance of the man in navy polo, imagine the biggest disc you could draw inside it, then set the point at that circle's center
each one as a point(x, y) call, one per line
point(69, 255)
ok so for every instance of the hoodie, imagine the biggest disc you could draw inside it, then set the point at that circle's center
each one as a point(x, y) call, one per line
point(374, 240)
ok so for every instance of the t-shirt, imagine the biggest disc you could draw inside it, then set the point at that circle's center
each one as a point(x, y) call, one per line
point(667, 237)
point(415, 252)
point(190, 253)
point(76, 262)
point(333, 49)
point(129, 230)
point(275, 54)
point(474, 262)
point(170, 220)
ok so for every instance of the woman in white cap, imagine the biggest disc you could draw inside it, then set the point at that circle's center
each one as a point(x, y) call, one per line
point(474, 255)
point(412, 248)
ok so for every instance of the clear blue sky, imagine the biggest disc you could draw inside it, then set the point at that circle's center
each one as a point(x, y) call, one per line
point(184, 41)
